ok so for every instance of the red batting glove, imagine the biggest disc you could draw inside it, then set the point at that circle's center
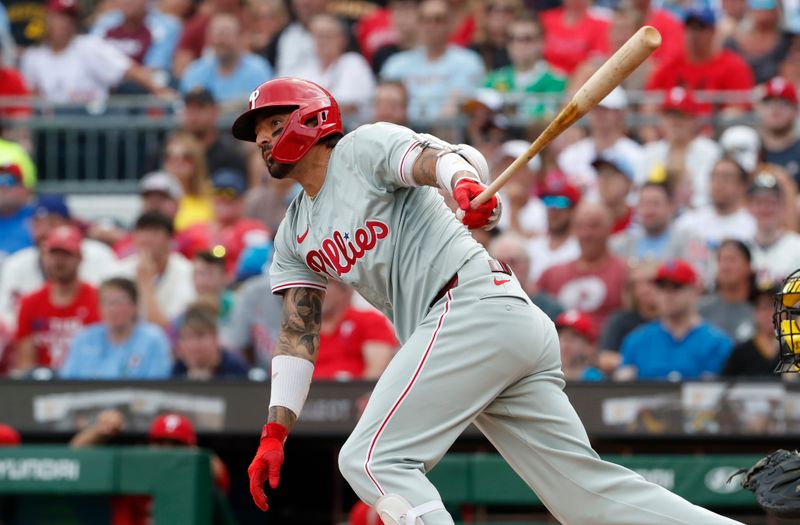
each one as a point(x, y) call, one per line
point(267, 463)
point(484, 216)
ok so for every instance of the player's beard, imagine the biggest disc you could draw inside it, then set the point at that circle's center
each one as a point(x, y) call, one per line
point(277, 170)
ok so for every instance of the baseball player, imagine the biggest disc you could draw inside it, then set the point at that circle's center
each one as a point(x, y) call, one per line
point(474, 348)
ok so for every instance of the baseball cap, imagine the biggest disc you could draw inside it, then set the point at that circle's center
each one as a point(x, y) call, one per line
point(161, 182)
point(10, 175)
point(764, 182)
point(743, 144)
point(617, 99)
point(700, 13)
point(66, 238)
point(228, 182)
point(676, 271)
point(252, 261)
point(780, 88)
point(8, 436)
point(680, 100)
point(578, 321)
point(199, 96)
point(173, 427)
point(617, 162)
point(558, 193)
point(51, 204)
point(487, 97)
point(514, 148)
point(65, 7)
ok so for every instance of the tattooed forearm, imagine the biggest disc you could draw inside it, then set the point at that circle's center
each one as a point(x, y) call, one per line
point(424, 170)
point(302, 317)
point(282, 415)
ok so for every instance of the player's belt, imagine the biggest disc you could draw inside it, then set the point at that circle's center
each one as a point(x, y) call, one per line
point(495, 266)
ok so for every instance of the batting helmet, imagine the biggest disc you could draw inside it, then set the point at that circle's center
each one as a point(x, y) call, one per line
point(309, 102)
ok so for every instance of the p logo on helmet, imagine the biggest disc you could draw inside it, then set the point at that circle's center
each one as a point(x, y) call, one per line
point(313, 116)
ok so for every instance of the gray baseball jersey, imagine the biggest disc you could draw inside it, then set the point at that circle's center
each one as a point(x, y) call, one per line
point(481, 353)
point(395, 245)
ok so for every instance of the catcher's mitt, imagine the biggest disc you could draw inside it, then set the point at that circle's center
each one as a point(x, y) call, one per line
point(775, 481)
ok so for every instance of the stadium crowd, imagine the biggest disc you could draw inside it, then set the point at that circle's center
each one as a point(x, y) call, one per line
point(654, 234)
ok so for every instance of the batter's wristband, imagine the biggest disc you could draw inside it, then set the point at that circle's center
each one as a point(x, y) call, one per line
point(276, 431)
point(447, 165)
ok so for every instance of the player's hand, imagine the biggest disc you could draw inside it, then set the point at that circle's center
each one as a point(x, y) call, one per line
point(109, 422)
point(267, 463)
point(484, 216)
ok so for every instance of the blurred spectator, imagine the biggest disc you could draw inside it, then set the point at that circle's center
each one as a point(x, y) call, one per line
point(528, 75)
point(776, 250)
point(726, 216)
point(346, 74)
point(28, 23)
point(758, 356)
point(228, 71)
point(436, 74)
point(777, 115)
point(254, 322)
point(486, 126)
point(743, 145)
point(14, 211)
point(523, 212)
point(211, 284)
point(199, 353)
point(625, 21)
point(572, 33)
point(120, 346)
point(558, 245)
point(200, 117)
point(295, 45)
point(653, 237)
point(790, 69)
point(680, 345)
point(703, 66)
point(761, 42)
point(185, 160)
point(593, 282)
point(509, 247)
point(732, 20)
point(728, 307)
point(267, 202)
point(14, 153)
point(388, 32)
point(668, 25)
point(73, 68)
point(12, 84)
point(606, 135)
point(163, 278)
point(614, 183)
point(682, 149)
point(142, 31)
point(8, 48)
point(354, 344)
point(193, 37)
point(641, 306)
point(50, 317)
point(229, 233)
point(390, 103)
point(9, 437)
point(492, 33)
point(577, 337)
point(166, 430)
point(266, 19)
point(159, 192)
point(23, 271)
point(462, 12)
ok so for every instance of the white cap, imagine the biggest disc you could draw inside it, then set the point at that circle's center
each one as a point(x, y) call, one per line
point(488, 97)
point(162, 182)
point(515, 148)
point(617, 99)
point(742, 143)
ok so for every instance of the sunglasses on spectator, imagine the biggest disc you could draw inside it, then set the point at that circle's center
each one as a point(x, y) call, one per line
point(434, 19)
point(530, 37)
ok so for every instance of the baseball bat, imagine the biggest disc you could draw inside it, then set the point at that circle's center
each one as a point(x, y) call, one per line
point(611, 74)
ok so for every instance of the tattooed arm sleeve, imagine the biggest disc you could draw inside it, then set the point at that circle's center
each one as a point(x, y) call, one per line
point(298, 337)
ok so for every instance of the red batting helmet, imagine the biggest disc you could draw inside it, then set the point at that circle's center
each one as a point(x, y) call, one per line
point(308, 101)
